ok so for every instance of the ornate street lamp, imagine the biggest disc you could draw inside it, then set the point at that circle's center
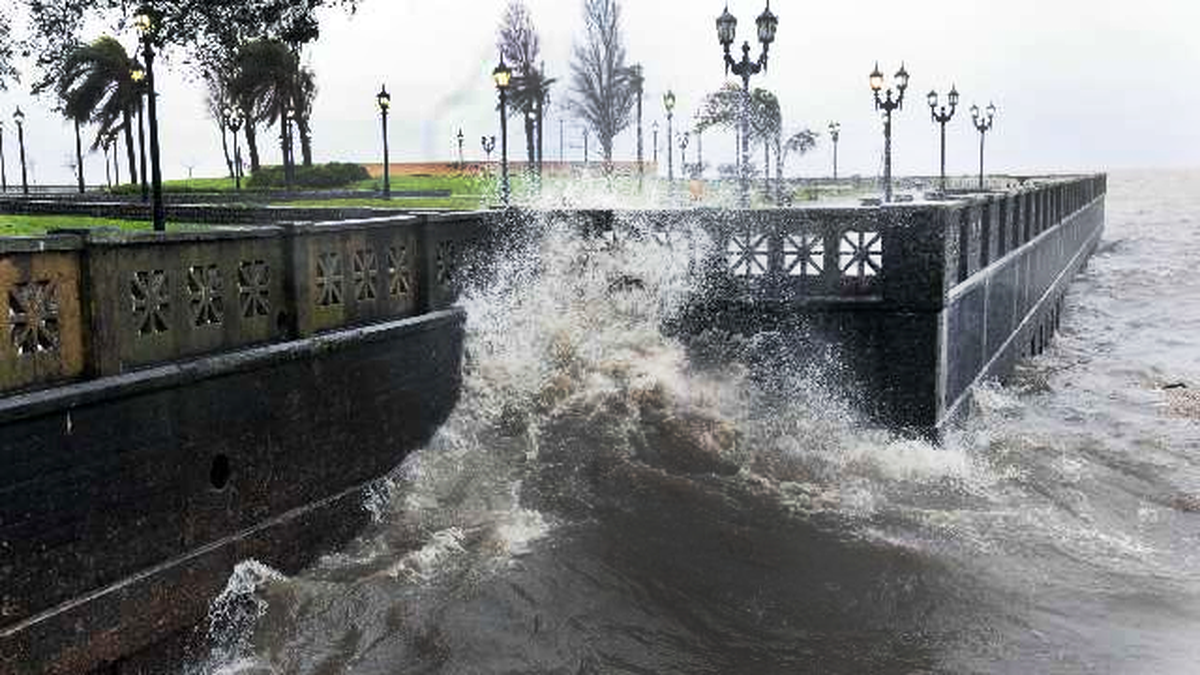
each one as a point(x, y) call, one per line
point(638, 81)
point(835, 130)
point(489, 144)
point(233, 117)
point(655, 128)
point(888, 104)
point(384, 100)
point(984, 125)
point(139, 78)
point(147, 22)
point(726, 32)
point(941, 117)
point(683, 143)
point(460, 149)
point(19, 118)
point(669, 104)
point(3, 171)
point(503, 76)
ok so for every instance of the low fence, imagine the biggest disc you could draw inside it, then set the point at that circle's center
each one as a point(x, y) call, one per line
point(83, 304)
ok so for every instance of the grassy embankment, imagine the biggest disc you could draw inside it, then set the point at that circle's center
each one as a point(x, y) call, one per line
point(467, 192)
point(29, 226)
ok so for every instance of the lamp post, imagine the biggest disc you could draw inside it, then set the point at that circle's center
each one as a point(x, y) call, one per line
point(983, 124)
point(669, 104)
point(683, 143)
point(234, 117)
point(726, 32)
point(3, 171)
point(503, 75)
point(941, 117)
point(655, 128)
point(888, 104)
point(139, 77)
point(835, 130)
point(384, 100)
point(638, 81)
point(147, 25)
point(460, 149)
point(19, 118)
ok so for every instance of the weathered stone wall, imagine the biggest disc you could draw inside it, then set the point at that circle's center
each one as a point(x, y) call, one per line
point(126, 501)
point(915, 301)
point(175, 403)
point(102, 302)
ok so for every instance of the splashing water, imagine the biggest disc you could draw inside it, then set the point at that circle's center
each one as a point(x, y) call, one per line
point(601, 501)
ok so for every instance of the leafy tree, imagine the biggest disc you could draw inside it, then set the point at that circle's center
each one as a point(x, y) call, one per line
point(8, 72)
point(604, 95)
point(799, 143)
point(722, 109)
point(96, 83)
point(209, 33)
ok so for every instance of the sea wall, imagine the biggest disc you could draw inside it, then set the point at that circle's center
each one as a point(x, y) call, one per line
point(173, 404)
point(909, 303)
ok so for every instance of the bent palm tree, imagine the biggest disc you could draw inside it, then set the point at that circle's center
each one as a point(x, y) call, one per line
point(527, 97)
point(96, 83)
point(305, 92)
point(265, 84)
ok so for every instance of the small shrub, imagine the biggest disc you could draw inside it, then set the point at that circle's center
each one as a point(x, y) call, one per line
point(321, 176)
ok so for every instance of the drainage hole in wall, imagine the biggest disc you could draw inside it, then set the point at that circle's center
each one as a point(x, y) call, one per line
point(220, 472)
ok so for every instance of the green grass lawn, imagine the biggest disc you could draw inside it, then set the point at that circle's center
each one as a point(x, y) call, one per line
point(223, 184)
point(29, 226)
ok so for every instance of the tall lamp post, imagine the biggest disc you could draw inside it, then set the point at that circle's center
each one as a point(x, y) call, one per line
point(941, 117)
point(726, 32)
point(19, 118)
point(384, 100)
point(503, 75)
point(888, 104)
point(635, 72)
point(835, 130)
point(683, 143)
point(984, 125)
point(655, 128)
point(3, 171)
point(233, 117)
point(669, 104)
point(139, 78)
point(146, 22)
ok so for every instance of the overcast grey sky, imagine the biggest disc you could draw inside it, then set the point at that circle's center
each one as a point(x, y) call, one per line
point(1079, 85)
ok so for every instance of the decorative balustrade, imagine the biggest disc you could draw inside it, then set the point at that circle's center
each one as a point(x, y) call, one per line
point(82, 304)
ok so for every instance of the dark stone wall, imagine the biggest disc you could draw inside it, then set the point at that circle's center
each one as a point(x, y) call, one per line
point(920, 301)
point(188, 467)
point(1012, 311)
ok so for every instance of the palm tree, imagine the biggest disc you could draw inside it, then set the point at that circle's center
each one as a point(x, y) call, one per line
point(96, 83)
point(527, 97)
point(264, 86)
point(305, 92)
point(800, 142)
